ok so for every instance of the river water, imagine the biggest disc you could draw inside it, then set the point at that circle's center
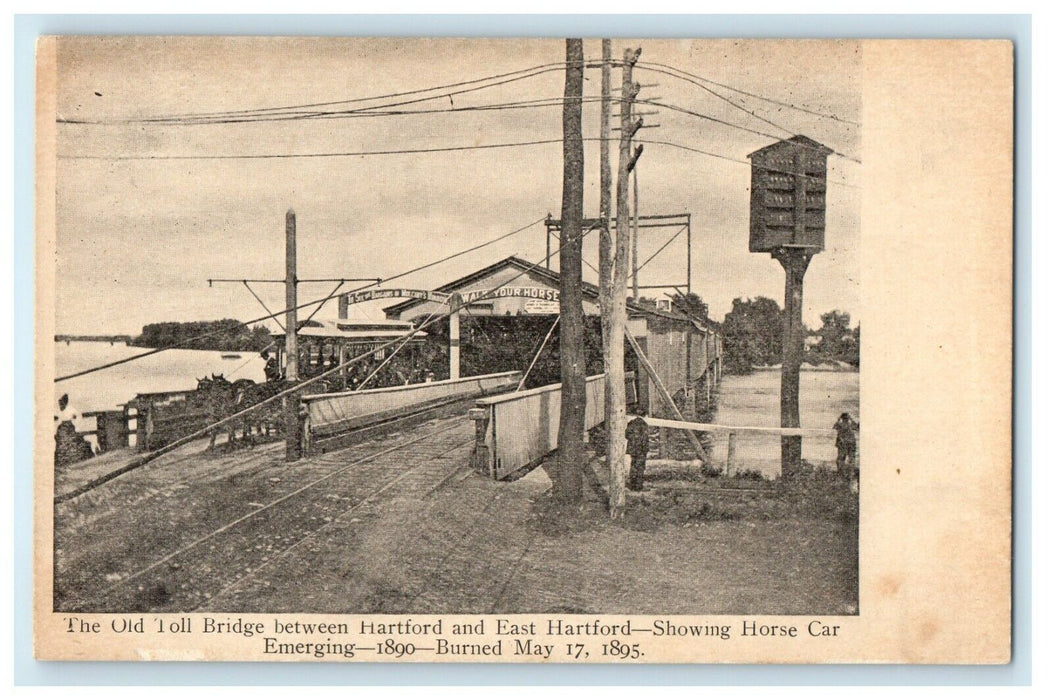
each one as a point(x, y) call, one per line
point(172, 370)
point(753, 400)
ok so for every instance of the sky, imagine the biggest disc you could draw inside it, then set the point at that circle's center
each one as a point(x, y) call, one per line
point(137, 239)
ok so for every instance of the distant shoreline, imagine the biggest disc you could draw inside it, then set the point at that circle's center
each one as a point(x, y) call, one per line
point(62, 338)
point(807, 367)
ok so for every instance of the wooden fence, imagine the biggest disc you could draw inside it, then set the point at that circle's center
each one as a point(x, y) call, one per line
point(517, 430)
point(115, 429)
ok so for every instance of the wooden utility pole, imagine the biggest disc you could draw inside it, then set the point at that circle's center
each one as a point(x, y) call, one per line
point(795, 263)
point(615, 390)
point(606, 282)
point(606, 252)
point(292, 375)
point(455, 335)
point(636, 237)
point(567, 484)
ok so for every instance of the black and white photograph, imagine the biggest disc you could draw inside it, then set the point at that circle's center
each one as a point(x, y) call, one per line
point(403, 329)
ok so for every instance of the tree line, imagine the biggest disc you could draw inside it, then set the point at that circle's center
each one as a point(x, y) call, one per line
point(753, 336)
point(225, 334)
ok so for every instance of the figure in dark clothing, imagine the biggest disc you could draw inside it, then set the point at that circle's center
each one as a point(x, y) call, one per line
point(69, 446)
point(636, 438)
point(846, 429)
point(271, 370)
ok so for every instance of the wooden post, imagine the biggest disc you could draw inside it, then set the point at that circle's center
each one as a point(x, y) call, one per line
point(455, 336)
point(148, 433)
point(567, 484)
point(140, 426)
point(689, 390)
point(480, 459)
point(731, 454)
point(292, 358)
point(795, 262)
point(341, 357)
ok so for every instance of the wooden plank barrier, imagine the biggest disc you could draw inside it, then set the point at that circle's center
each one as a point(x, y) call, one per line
point(519, 429)
point(731, 464)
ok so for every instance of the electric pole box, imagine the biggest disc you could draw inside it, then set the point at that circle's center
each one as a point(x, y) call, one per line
point(788, 196)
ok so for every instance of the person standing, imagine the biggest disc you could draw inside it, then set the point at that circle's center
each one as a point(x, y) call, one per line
point(637, 439)
point(271, 370)
point(846, 428)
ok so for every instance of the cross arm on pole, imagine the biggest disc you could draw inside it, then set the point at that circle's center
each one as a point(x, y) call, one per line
point(377, 280)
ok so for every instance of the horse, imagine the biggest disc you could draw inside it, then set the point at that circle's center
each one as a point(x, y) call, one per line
point(215, 396)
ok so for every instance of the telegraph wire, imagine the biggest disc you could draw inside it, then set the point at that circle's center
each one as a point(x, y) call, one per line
point(721, 97)
point(365, 112)
point(292, 116)
point(789, 105)
point(373, 98)
point(418, 100)
point(540, 142)
point(673, 144)
point(707, 117)
point(345, 154)
point(436, 149)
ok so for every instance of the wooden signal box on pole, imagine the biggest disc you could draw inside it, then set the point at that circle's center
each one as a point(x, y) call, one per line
point(788, 220)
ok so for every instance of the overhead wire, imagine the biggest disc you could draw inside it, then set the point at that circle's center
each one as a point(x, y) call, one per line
point(295, 116)
point(719, 96)
point(652, 64)
point(707, 117)
point(373, 98)
point(673, 144)
point(345, 154)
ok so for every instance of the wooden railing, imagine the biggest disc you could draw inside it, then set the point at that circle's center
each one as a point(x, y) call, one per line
point(330, 415)
point(733, 460)
point(518, 430)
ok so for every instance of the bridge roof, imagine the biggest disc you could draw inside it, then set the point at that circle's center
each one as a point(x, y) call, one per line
point(589, 291)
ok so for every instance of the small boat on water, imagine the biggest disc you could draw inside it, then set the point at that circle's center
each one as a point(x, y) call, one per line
point(230, 356)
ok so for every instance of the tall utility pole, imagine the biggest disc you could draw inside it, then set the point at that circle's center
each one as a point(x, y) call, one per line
point(636, 237)
point(627, 157)
point(606, 244)
point(615, 438)
point(292, 402)
point(567, 485)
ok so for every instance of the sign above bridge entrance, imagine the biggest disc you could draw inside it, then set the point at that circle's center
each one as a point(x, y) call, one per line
point(422, 294)
point(541, 293)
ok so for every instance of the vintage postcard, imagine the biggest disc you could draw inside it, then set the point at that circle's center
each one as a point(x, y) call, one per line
point(532, 350)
